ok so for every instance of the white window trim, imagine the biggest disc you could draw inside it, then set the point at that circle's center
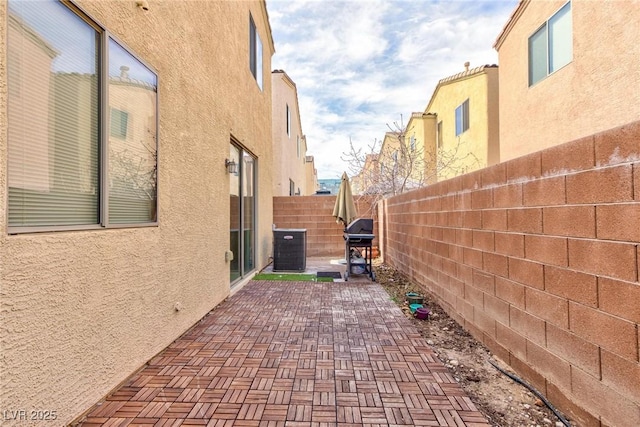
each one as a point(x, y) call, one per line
point(255, 53)
point(545, 25)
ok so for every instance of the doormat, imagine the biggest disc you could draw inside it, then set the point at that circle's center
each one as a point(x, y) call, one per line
point(332, 274)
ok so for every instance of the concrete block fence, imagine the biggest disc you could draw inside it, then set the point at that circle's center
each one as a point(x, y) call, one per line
point(314, 213)
point(538, 258)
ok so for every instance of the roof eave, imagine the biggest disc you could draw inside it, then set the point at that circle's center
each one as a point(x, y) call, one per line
point(265, 12)
point(478, 71)
point(511, 22)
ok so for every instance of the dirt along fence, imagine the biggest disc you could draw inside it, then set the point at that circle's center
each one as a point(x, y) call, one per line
point(314, 213)
point(538, 258)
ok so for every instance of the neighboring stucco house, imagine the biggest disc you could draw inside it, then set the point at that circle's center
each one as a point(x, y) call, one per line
point(289, 143)
point(420, 141)
point(311, 174)
point(569, 69)
point(400, 166)
point(132, 201)
point(365, 181)
point(466, 134)
point(457, 133)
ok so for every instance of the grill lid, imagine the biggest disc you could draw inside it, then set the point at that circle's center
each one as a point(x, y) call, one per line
point(360, 226)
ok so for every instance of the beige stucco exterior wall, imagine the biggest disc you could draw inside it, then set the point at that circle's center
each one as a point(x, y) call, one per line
point(475, 148)
point(311, 175)
point(422, 127)
point(390, 145)
point(415, 129)
point(368, 176)
point(289, 161)
point(598, 90)
point(80, 311)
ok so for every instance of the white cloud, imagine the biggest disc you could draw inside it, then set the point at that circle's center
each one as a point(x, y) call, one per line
point(359, 65)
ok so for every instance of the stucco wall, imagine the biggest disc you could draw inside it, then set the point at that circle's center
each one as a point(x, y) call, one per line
point(595, 91)
point(290, 164)
point(475, 148)
point(311, 176)
point(422, 127)
point(538, 258)
point(314, 213)
point(80, 311)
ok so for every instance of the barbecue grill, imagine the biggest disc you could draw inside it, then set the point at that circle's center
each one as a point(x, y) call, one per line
point(358, 236)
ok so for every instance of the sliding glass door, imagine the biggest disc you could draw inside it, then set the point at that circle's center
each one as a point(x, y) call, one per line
point(242, 213)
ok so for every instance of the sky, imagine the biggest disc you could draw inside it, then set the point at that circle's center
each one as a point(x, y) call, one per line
point(362, 65)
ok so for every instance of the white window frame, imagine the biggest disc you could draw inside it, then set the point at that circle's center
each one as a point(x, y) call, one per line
point(255, 52)
point(288, 120)
point(104, 133)
point(546, 34)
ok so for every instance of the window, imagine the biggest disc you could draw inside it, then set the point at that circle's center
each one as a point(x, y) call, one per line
point(412, 143)
point(551, 46)
point(119, 120)
point(132, 157)
point(462, 117)
point(255, 52)
point(292, 188)
point(288, 121)
point(57, 150)
point(439, 133)
point(242, 212)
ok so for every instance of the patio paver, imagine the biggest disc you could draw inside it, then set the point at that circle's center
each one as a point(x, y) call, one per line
point(294, 354)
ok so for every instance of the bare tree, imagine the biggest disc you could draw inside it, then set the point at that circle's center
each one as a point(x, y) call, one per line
point(134, 177)
point(399, 163)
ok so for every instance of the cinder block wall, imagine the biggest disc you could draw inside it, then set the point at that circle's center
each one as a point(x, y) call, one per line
point(314, 213)
point(538, 258)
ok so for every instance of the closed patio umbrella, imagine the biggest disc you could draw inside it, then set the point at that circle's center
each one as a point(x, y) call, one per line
point(344, 210)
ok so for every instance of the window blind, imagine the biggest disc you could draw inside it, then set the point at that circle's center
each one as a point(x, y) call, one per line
point(132, 141)
point(53, 114)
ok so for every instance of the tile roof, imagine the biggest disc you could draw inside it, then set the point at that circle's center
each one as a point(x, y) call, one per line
point(466, 73)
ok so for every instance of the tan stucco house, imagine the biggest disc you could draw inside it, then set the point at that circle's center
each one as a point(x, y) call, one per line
point(291, 168)
point(365, 182)
point(569, 69)
point(135, 184)
point(311, 174)
point(420, 134)
point(392, 166)
point(464, 107)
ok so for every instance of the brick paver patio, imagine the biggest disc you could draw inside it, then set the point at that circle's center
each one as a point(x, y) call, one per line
point(295, 354)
